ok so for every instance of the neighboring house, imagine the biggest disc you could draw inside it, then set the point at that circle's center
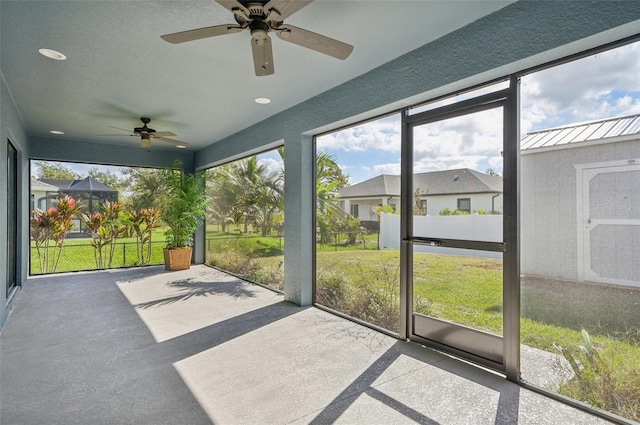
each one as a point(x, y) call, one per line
point(463, 189)
point(43, 195)
point(581, 202)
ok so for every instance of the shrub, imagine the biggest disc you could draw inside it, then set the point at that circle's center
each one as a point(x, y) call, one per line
point(372, 297)
point(267, 275)
point(50, 228)
point(331, 289)
point(600, 381)
point(447, 211)
point(235, 256)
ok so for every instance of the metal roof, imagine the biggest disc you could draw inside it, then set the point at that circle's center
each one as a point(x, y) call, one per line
point(582, 132)
point(88, 184)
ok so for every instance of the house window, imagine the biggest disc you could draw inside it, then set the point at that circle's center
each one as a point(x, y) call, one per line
point(423, 206)
point(354, 211)
point(464, 204)
point(393, 207)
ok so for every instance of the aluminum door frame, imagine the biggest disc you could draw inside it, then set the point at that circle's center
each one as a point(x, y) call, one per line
point(499, 353)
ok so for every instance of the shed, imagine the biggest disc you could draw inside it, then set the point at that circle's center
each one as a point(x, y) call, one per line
point(580, 200)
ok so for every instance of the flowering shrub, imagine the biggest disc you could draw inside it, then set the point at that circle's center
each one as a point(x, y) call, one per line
point(142, 224)
point(105, 229)
point(49, 229)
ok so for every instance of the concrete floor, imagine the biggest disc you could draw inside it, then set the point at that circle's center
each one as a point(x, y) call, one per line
point(145, 346)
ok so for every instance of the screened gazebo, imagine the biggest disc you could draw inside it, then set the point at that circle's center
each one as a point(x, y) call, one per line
point(91, 193)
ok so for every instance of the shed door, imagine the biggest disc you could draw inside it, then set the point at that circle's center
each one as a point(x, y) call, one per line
point(609, 222)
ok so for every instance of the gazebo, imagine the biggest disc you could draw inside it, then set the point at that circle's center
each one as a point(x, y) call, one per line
point(91, 192)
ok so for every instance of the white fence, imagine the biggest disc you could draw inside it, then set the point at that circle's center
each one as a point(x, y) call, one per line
point(474, 227)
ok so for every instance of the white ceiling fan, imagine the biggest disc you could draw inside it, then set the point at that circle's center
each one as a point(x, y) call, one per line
point(261, 17)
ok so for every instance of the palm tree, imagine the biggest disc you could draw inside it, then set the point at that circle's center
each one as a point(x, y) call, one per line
point(221, 191)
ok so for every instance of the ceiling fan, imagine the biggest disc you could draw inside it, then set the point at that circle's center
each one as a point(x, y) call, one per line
point(261, 17)
point(146, 134)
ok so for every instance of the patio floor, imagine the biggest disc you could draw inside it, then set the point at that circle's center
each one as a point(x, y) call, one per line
point(145, 346)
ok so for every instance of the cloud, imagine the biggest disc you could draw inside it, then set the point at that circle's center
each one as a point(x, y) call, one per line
point(381, 135)
point(427, 164)
point(480, 133)
point(273, 165)
point(391, 168)
point(595, 87)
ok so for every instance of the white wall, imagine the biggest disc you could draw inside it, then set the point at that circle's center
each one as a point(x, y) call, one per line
point(475, 227)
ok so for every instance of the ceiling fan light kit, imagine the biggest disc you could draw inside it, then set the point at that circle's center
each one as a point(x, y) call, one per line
point(260, 18)
point(145, 141)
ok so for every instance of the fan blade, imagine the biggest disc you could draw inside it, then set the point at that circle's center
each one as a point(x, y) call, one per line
point(262, 55)
point(162, 134)
point(314, 41)
point(172, 141)
point(116, 135)
point(123, 129)
point(233, 4)
point(285, 8)
point(197, 34)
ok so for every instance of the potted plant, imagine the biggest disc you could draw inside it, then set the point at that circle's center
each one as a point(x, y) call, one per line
point(183, 209)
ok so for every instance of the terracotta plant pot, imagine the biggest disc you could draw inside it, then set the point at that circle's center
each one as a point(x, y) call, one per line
point(177, 258)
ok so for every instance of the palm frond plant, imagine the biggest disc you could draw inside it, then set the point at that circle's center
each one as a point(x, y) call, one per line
point(183, 209)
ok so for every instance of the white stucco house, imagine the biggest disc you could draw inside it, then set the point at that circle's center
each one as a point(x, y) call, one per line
point(43, 194)
point(581, 202)
point(463, 189)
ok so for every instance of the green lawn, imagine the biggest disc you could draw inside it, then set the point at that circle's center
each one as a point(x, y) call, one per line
point(78, 254)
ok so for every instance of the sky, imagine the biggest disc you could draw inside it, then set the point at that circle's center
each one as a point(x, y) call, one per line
point(600, 86)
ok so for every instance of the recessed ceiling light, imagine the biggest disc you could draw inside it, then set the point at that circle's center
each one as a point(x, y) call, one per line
point(181, 146)
point(52, 54)
point(263, 100)
point(56, 132)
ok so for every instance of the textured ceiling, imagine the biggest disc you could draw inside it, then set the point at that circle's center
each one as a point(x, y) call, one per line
point(118, 69)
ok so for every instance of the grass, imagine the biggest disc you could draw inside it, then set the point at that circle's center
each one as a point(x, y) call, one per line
point(78, 254)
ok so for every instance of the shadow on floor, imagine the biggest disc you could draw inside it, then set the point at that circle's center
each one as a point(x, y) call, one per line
point(507, 408)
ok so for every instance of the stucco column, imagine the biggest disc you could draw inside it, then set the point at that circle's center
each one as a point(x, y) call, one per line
point(298, 223)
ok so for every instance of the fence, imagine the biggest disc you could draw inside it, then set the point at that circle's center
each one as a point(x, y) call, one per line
point(266, 246)
point(465, 227)
point(80, 257)
point(354, 240)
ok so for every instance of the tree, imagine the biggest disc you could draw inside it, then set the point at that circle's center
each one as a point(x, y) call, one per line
point(269, 202)
point(110, 179)
point(221, 191)
point(329, 180)
point(492, 172)
point(55, 170)
point(247, 176)
point(146, 186)
point(328, 171)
